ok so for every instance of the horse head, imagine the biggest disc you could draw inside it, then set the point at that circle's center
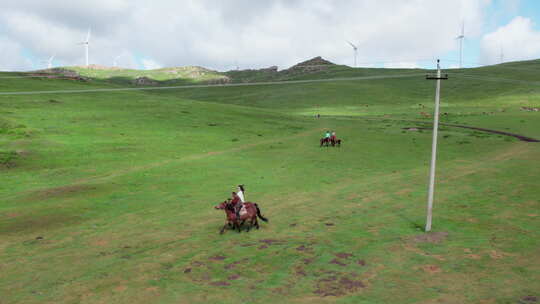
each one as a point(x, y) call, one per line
point(221, 206)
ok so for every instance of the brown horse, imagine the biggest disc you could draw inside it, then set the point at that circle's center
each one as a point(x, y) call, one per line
point(335, 142)
point(330, 141)
point(325, 141)
point(252, 212)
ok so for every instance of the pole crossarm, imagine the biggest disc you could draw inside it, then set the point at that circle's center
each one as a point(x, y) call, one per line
point(429, 77)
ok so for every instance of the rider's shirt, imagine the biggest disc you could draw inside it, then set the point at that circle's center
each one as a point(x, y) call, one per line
point(241, 196)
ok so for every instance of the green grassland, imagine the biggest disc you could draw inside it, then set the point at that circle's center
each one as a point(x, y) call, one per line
point(107, 197)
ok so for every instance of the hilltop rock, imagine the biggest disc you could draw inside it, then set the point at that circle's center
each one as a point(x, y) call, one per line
point(189, 71)
point(312, 65)
point(60, 73)
point(272, 69)
point(100, 67)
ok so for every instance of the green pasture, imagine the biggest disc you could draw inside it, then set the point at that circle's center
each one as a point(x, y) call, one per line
point(109, 197)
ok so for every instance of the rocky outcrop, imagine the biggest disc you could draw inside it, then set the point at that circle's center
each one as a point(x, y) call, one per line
point(221, 80)
point(312, 65)
point(144, 81)
point(60, 73)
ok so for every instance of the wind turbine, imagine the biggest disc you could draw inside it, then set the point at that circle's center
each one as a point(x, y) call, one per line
point(115, 61)
point(502, 55)
point(86, 43)
point(49, 61)
point(461, 38)
point(355, 48)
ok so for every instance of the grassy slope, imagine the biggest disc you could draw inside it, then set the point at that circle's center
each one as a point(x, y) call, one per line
point(165, 76)
point(121, 188)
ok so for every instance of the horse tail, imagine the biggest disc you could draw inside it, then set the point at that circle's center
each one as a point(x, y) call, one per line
point(259, 213)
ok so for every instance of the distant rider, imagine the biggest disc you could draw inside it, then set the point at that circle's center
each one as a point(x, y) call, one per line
point(327, 134)
point(333, 136)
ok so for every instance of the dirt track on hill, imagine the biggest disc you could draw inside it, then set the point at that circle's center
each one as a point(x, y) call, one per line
point(520, 137)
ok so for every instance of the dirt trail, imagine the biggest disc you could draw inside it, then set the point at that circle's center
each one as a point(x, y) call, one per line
point(520, 137)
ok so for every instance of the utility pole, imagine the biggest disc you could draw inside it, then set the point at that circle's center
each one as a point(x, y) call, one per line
point(434, 145)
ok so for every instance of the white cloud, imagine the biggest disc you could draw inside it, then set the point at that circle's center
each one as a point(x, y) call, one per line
point(518, 40)
point(216, 34)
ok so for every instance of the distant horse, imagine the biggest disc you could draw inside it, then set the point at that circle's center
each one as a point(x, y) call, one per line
point(325, 141)
point(252, 212)
point(335, 142)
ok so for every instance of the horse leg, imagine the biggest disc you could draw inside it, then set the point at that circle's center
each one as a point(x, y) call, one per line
point(249, 227)
point(223, 228)
point(256, 223)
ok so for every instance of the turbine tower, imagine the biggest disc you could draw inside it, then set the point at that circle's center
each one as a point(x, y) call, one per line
point(86, 43)
point(49, 61)
point(355, 48)
point(115, 61)
point(461, 38)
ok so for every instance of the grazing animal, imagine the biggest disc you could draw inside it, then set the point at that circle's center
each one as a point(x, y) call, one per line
point(252, 212)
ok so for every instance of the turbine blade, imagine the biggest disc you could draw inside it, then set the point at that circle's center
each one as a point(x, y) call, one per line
point(354, 46)
point(88, 35)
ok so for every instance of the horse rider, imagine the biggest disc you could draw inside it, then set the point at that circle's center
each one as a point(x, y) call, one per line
point(327, 134)
point(240, 192)
point(333, 136)
point(238, 200)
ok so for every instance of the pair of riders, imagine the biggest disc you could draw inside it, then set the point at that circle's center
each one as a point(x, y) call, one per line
point(331, 135)
point(238, 200)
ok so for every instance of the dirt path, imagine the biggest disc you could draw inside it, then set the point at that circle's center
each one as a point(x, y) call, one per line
point(520, 137)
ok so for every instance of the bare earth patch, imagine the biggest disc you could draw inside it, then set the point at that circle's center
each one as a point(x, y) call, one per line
point(431, 237)
point(337, 262)
point(234, 264)
point(120, 288)
point(529, 299)
point(343, 255)
point(337, 285)
point(270, 242)
point(303, 248)
point(217, 258)
point(431, 268)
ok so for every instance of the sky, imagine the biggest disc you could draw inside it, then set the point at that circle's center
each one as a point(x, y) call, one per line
point(246, 34)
